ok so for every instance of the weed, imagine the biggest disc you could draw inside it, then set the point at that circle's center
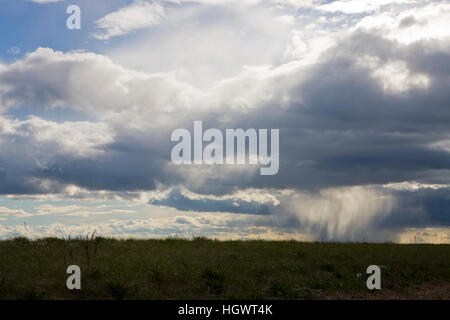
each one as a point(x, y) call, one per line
point(117, 290)
point(214, 280)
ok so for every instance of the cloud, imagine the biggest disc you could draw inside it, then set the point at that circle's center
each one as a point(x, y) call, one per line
point(424, 235)
point(293, 3)
point(357, 213)
point(181, 201)
point(410, 25)
point(208, 50)
point(80, 139)
point(337, 214)
point(14, 50)
point(37, 145)
point(136, 16)
point(361, 102)
point(345, 214)
point(358, 6)
point(17, 213)
point(90, 83)
point(79, 211)
point(212, 225)
point(45, 1)
point(363, 139)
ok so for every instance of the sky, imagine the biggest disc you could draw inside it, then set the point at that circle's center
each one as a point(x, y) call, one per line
point(358, 89)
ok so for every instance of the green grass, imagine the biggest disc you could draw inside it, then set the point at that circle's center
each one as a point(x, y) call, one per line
point(208, 269)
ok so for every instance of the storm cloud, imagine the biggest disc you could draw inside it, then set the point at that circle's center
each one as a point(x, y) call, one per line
point(370, 111)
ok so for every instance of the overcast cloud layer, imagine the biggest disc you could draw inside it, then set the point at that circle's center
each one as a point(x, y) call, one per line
point(360, 93)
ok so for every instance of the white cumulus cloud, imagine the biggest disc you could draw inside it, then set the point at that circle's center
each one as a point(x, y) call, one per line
point(138, 15)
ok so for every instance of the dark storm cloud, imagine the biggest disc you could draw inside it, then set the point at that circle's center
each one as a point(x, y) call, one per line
point(420, 208)
point(346, 129)
point(340, 128)
point(178, 200)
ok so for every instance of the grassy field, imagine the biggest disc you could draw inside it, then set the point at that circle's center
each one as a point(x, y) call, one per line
point(207, 269)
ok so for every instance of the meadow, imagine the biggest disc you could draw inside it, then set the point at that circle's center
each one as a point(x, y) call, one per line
point(210, 269)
